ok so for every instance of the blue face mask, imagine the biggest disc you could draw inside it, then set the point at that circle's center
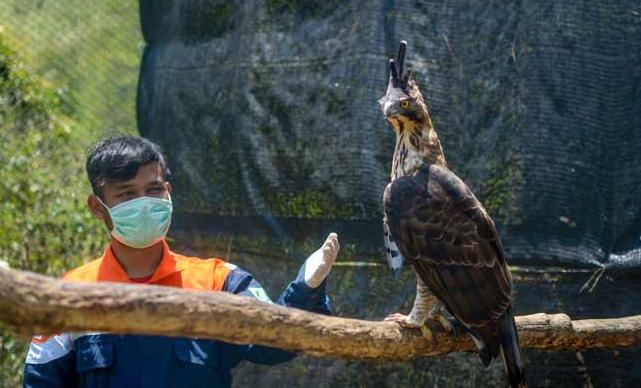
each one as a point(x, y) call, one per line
point(140, 222)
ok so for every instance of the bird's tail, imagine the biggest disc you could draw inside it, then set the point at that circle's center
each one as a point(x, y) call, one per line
point(511, 350)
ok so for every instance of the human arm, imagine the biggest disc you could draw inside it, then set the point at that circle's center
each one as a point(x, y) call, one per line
point(50, 362)
point(306, 292)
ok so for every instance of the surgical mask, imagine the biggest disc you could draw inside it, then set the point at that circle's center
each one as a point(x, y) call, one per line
point(140, 222)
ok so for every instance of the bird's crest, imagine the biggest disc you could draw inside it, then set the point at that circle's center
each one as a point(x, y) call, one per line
point(398, 76)
point(403, 99)
point(400, 82)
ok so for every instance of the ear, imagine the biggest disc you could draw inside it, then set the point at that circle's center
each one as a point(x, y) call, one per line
point(169, 188)
point(96, 208)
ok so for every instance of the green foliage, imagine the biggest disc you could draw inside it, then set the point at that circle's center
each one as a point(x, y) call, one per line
point(89, 49)
point(307, 204)
point(90, 52)
point(501, 189)
point(44, 224)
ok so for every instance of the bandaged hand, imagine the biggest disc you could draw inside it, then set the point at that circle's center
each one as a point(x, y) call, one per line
point(319, 264)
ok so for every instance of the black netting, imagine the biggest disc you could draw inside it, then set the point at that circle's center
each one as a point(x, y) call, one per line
point(269, 109)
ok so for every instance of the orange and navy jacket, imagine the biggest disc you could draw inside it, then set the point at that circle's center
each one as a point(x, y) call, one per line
point(138, 361)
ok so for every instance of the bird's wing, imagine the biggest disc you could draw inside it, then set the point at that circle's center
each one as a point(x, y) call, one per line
point(442, 228)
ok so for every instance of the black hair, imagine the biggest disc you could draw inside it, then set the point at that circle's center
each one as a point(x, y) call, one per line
point(118, 158)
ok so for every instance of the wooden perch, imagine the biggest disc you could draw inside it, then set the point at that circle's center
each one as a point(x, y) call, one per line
point(31, 303)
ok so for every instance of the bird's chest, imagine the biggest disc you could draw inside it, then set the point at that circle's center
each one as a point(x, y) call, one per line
point(406, 162)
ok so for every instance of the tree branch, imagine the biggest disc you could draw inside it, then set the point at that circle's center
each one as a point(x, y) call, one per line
point(31, 303)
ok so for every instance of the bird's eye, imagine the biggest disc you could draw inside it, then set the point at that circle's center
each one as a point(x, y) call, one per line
point(405, 104)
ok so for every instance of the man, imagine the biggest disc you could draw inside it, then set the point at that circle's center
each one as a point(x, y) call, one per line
point(132, 197)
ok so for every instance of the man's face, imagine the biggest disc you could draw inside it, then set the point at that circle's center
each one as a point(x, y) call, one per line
point(148, 182)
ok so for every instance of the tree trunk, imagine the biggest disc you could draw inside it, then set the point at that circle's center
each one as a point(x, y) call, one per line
point(31, 303)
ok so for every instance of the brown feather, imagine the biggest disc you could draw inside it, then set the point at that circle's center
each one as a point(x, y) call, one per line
point(442, 228)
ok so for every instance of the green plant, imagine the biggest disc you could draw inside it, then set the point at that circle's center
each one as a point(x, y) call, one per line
point(89, 49)
point(44, 224)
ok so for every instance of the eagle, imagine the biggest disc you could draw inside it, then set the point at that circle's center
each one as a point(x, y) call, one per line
point(435, 222)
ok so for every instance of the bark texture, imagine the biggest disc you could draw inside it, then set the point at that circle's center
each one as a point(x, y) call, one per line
point(32, 303)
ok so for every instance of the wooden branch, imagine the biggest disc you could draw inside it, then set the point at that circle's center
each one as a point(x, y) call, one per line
point(31, 303)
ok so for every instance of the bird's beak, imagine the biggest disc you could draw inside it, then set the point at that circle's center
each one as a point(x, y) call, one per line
point(388, 105)
point(385, 107)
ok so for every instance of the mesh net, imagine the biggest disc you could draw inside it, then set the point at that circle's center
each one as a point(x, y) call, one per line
point(268, 109)
point(88, 50)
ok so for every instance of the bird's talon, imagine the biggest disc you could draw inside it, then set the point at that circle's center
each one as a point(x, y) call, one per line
point(451, 325)
point(403, 320)
point(427, 333)
point(457, 328)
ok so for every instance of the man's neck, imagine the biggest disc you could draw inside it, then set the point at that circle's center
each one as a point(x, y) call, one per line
point(137, 263)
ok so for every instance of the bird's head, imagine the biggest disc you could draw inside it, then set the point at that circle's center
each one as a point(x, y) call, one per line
point(403, 105)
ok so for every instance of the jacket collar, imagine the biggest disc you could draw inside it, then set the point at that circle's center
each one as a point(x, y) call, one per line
point(111, 270)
